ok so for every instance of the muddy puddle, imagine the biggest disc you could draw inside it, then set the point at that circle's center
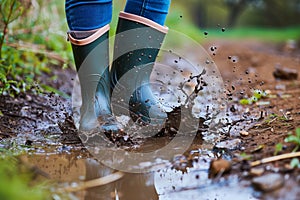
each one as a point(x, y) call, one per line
point(184, 177)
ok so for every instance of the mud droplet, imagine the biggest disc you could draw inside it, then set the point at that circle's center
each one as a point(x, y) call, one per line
point(223, 29)
point(246, 72)
point(175, 61)
point(232, 108)
point(229, 57)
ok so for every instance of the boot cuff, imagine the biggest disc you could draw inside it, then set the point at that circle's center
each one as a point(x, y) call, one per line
point(95, 35)
point(143, 20)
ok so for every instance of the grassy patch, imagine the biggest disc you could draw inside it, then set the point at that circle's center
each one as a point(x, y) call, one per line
point(15, 182)
point(294, 138)
point(30, 43)
point(18, 181)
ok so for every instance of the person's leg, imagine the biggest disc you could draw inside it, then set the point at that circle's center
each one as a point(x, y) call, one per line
point(88, 15)
point(88, 23)
point(140, 33)
point(155, 10)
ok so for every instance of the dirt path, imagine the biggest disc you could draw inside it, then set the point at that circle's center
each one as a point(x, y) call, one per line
point(251, 65)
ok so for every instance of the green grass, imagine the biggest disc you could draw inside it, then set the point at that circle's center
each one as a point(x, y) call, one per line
point(18, 181)
point(265, 34)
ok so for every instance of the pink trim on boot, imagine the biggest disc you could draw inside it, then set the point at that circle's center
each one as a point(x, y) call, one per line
point(144, 21)
point(90, 39)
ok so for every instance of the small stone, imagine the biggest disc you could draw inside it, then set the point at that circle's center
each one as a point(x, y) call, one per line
point(263, 103)
point(257, 171)
point(268, 182)
point(219, 166)
point(229, 144)
point(284, 73)
point(244, 133)
point(28, 97)
point(280, 87)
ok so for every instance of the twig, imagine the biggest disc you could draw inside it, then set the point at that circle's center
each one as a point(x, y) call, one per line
point(265, 129)
point(275, 158)
point(272, 120)
point(94, 183)
point(6, 20)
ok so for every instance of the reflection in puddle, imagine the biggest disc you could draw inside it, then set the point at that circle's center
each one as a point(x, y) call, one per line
point(73, 167)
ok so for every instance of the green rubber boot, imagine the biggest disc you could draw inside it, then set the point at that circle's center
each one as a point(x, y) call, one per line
point(90, 50)
point(137, 44)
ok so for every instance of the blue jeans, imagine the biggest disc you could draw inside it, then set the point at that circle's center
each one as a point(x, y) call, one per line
point(88, 15)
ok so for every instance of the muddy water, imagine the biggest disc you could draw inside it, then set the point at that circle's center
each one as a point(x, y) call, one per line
point(177, 179)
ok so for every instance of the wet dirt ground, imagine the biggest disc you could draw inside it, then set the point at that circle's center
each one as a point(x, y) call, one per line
point(43, 124)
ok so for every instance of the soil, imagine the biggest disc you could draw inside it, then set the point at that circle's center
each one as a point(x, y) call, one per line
point(244, 65)
point(254, 68)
